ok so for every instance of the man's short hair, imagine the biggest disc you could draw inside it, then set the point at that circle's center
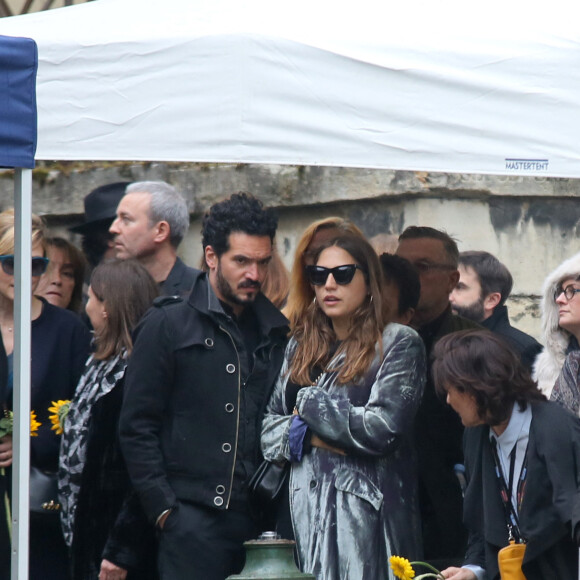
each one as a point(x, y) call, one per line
point(493, 275)
point(449, 243)
point(167, 205)
point(399, 271)
point(241, 212)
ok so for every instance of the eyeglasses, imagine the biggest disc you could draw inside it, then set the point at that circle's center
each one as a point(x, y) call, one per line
point(569, 292)
point(317, 275)
point(424, 267)
point(38, 265)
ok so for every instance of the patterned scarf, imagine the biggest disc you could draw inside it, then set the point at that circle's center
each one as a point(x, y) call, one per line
point(566, 390)
point(98, 379)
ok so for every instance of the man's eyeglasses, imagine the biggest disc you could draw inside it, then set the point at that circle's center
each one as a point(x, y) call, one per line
point(317, 275)
point(38, 265)
point(569, 292)
point(423, 267)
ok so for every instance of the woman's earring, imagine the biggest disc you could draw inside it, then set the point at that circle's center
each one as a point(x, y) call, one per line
point(314, 300)
point(371, 298)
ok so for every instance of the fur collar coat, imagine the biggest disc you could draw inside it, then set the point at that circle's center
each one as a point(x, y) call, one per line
point(550, 361)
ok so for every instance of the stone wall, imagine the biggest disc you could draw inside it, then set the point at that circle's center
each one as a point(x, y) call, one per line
point(17, 6)
point(530, 224)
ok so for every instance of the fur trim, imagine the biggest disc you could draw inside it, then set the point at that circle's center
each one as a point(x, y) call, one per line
point(549, 363)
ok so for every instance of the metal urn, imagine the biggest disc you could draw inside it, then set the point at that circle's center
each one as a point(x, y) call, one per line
point(270, 558)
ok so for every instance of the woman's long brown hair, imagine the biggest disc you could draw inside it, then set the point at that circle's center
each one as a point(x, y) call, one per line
point(128, 290)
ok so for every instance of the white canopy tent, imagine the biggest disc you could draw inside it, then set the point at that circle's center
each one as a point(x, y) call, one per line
point(448, 86)
point(440, 86)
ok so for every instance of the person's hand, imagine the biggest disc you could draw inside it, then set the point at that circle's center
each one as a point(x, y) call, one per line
point(458, 574)
point(316, 441)
point(6, 451)
point(111, 572)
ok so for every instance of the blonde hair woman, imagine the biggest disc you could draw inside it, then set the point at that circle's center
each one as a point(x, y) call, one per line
point(60, 344)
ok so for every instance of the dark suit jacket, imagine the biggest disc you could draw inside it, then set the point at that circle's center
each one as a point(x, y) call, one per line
point(438, 440)
point(526, 346)
point(549, 509)
point(179, 281)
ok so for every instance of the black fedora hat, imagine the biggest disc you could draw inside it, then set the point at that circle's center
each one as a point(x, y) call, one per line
point(101, 206)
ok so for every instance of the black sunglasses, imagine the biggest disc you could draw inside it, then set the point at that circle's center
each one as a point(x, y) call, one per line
point(317, 275)
point(38, 265)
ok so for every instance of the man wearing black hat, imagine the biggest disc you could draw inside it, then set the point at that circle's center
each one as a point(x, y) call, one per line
point(100, 211)
point(152, 219)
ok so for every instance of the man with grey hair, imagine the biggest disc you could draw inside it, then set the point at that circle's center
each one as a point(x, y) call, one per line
point(152, 220)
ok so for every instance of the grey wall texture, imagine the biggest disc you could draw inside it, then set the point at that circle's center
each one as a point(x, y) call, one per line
point(530, 224)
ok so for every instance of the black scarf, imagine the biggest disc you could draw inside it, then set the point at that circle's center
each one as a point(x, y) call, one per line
point(566, 390)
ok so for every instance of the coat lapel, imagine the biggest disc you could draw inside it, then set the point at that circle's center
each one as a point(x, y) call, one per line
point(495, 521)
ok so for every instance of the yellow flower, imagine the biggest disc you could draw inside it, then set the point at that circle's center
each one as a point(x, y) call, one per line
point(34, 424)
point(59, 412)
point(402, 568)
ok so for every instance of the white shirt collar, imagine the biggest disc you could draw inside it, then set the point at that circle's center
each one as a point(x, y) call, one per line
point(519, 423)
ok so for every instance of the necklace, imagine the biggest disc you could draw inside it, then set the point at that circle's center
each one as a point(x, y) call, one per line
point(314, 383)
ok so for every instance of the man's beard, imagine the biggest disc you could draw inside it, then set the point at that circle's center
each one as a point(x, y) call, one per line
point(228, 295)
point(473, 312)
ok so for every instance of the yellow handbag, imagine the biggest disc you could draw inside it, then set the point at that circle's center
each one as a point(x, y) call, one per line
point(509, 560)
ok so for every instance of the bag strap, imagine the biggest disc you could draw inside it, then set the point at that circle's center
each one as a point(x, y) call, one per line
point(511, 515)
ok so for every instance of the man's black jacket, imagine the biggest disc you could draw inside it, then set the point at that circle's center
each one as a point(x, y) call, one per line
point(526, 346)
point(183, 389)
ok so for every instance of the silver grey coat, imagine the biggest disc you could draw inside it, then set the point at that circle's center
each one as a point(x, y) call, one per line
point(351, 513)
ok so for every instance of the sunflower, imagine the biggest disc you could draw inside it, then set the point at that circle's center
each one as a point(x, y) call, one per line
point(59, 412)
point(34, 424)
point(402, 568)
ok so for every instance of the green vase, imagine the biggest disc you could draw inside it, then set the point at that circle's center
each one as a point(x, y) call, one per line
point(269, 558)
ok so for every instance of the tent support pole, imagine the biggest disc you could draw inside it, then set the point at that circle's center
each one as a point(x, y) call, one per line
point(22, 308)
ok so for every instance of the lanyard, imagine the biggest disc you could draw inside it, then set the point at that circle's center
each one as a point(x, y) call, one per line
point(506, 492)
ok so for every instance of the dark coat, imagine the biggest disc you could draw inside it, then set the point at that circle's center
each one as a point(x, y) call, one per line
point(549, 510)
point(103, 529)
point(438, 439)
point(526, 346)
point(179, 281)
point(60, 345)
point(184, 386)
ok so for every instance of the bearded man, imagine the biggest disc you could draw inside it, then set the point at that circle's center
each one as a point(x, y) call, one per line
point(480, 295)
point(197, 385)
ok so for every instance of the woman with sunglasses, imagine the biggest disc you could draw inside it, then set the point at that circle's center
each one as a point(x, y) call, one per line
point(106, 542)
point(557, 367)
point(341, 414)
point(317, 234)
point(60, 344)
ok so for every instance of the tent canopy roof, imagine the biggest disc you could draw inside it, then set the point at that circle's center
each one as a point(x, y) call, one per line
point(395, 85)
